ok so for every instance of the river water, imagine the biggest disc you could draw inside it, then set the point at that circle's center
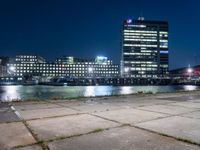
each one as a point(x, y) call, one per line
point(9, 93)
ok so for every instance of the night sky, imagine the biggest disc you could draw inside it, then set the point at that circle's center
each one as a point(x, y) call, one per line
point(86, 28)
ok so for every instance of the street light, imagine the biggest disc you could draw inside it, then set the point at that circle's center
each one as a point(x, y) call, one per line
point(189, 70)
point(11, 70)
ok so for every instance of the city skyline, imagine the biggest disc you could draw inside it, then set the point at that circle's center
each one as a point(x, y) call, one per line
point(52, 29)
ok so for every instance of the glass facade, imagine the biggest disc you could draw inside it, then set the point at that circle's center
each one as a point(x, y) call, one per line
point(144, 47)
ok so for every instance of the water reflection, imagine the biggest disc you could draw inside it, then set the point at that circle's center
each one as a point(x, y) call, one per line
point(126, 90)
point(89, 91)
point(97, 90)
point(10, 93)
point(190, 88)
point(48, 92)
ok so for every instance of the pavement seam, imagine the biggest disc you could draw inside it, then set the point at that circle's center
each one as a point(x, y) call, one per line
point(63, 106)
point(19, 103)
point(37, 108)
point(82, 134)
point(38, 141)
point(23, 146)
point(190, 117)
point(106, 119)
point(182, 115)
point(127, 123)
point(152, 104)
point(72, 107)
point(16, 112)
point(182, 106)
point(166, 135)
point(51, 117)
point(168, 113)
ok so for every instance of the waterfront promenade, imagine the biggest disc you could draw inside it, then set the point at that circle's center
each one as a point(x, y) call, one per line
point(131, 122)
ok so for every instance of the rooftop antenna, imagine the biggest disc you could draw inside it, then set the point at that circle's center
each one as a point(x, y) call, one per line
point(141, 17)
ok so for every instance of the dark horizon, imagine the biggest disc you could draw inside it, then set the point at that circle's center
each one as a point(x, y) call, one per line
point(90, 28)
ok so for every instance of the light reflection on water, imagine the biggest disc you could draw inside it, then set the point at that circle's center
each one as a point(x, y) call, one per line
point(190, 88)
point(89, 91)
point(49, 92)
point(11, 92)
point(126, 90)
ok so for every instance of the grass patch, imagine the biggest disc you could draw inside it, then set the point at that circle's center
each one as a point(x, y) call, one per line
point(97, 130)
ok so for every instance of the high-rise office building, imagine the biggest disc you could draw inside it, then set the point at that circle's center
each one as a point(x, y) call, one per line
point(144, 50)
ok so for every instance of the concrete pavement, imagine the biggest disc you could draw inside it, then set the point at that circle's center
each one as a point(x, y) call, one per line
point(131, 122)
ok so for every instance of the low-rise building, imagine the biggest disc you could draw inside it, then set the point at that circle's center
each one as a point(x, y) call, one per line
point(192, 71)
point(33, 65)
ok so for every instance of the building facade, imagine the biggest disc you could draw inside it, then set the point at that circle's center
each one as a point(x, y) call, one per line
point(3, 66)
point(191, 71)
point(66, 66)
point(144, 49)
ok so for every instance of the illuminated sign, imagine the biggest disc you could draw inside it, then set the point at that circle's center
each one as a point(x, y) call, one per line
point(101, 59)
point(164, 52)
point(128, 21)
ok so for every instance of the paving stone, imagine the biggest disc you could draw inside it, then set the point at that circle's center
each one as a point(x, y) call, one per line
point(130, 116)
point(8, 116)
point(35, 106)
point(176, 126)
point(33, 147)
point(68, 126)
point(124, 138)
point(4, 105)
point(14, 134)
point(95, 107)
point(168, 109)
point(27, 103)
point(69, 103)
point(195, 114)
point(187, 104)
point(181, 98)
point(141, 103)
point(50, 112)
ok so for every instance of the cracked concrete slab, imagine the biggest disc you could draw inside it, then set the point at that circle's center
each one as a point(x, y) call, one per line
point(176, 126)
point(50, 112)
point(14, 134)
point(130, 116)
point(68, 126)
point(123, 138)
point(168, 109)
